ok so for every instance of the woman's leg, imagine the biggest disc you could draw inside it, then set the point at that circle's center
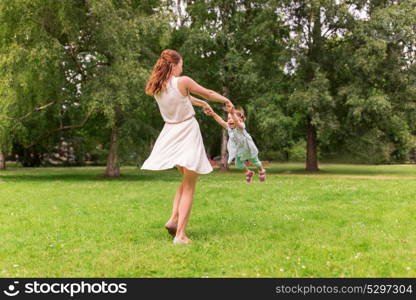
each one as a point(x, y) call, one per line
point(172, 223)
point(185, 202)
point(175, 207)
point(180, 169)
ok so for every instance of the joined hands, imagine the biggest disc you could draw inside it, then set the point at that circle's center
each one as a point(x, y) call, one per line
point(228, 106)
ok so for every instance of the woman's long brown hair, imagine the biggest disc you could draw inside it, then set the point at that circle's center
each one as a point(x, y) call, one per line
point(162, 71)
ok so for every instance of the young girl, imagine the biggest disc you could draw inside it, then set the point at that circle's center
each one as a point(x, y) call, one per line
point(240, 144)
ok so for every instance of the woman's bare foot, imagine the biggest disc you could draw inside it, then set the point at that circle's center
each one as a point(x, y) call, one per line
point(171, 227)
point(184, 240)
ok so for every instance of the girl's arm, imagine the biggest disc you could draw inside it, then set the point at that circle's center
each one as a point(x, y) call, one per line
point(186, 84)
point(218, 119)
point(199, 102)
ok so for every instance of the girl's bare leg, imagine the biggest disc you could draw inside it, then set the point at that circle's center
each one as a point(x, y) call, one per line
point(262, 173)
point(260, 168)
point(249, 174)
point(185, 202)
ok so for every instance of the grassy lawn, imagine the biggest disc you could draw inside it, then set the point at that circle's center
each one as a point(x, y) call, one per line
point(346, 221)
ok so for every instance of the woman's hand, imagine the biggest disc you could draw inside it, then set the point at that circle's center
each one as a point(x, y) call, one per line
point(208, 112)
point(229, 106)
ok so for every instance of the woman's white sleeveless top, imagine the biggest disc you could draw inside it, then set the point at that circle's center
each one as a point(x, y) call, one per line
point(173, 106)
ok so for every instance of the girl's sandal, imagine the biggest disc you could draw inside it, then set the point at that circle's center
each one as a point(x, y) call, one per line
point(262, 176)
point(249, 176)
point(171, 228)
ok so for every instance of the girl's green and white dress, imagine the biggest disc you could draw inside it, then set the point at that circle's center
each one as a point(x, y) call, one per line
point(241, 147)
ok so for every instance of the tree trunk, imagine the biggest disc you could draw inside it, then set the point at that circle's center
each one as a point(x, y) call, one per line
point(2, 161)
point(315, 56)
point(224, 157)
point(311, 149)
point(224, 138)
point(113, 168)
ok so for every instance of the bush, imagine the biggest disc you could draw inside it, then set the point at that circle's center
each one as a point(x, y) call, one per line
point(273, 155)
point(298, 151)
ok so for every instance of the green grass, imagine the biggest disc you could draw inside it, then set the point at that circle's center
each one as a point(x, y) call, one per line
point(346, 221)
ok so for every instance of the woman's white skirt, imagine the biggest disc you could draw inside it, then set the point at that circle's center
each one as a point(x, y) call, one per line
point(179, 144)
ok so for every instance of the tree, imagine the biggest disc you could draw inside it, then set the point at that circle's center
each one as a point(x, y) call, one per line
point(126, 37)
point(221, 43)
point(5, 143)
point(40, 71)
point(352, 76)
point(377, 88)
point(88, 57)
point(312, 24)
point(31, 71)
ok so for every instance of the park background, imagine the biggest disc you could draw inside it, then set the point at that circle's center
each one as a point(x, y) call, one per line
point(329, 89)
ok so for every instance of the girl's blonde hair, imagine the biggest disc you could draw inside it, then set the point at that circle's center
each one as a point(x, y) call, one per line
point(240, 112)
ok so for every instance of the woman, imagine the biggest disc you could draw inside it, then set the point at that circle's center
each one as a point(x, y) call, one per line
point(180, 142)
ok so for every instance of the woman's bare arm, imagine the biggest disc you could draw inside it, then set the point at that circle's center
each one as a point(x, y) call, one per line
point(186, 84)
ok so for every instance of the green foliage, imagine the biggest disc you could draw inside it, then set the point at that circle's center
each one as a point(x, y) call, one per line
point(225, 48)
point(374, 89)
point(89, 57)
point(274, 128)
point(298, 151)
point(288, 63)
point(316, 104)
